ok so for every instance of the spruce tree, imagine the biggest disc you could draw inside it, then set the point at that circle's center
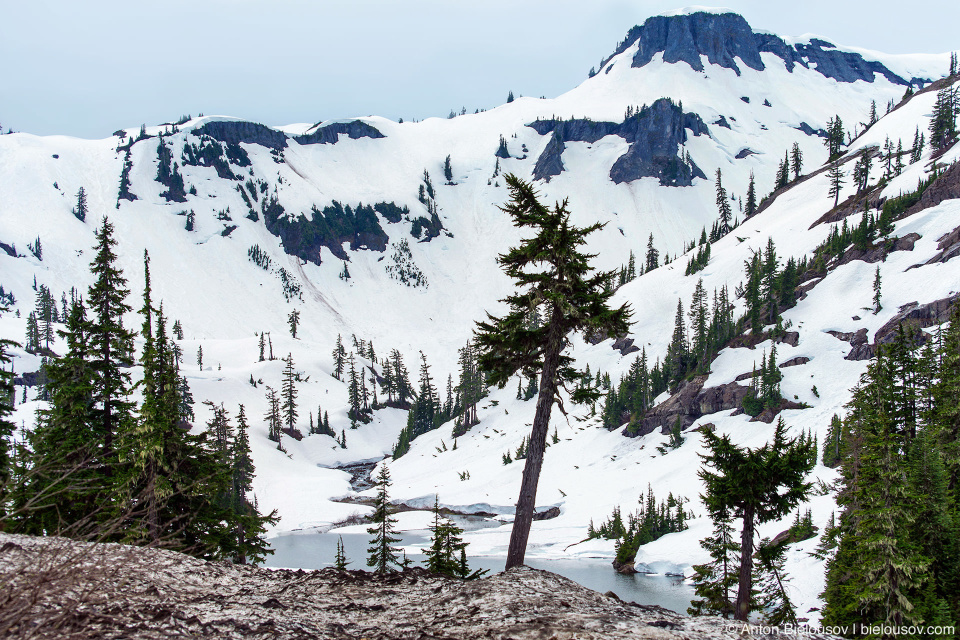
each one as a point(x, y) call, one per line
point(725, 215)
point(757, 486)
point(835, 175)
point(289, 391)
point(876, 292)
point(339, 357)
point(383, 556)
point(652, 260)
point(340, 560)
point(293, 321)
point(7, 399)
point(80, 210)
point(555, 274)
point(111, 345)
point(750, 208)
point(715, 581)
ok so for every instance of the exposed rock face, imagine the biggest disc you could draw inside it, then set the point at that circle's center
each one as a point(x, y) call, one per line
point(690, 402)
point(793, 362)
point(549, 163)
point(916, 316)
point(330, 134)
point(655, 134)
point(723, 38)
point(233, 132)
point(860, 350)
point(625, 346)
point(54, 588)
point(945, 187)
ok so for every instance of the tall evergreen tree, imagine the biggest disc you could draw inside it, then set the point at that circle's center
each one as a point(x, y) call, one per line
point(80, 210)
point(111, 345)
point(339, 357)
point(553, 273)
point(383, 556)
point(750, 207)
point(725, 215)
point(757, 486)
point(835, 175)
point(652, 260)
point(289, 391)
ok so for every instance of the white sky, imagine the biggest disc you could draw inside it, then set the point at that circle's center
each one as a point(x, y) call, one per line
point(89, 68)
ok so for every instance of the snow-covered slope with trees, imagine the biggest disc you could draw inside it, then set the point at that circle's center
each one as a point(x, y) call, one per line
point(736, 102)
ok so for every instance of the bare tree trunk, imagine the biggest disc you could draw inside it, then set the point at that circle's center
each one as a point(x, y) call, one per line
point(538, 443)
point(742, 609)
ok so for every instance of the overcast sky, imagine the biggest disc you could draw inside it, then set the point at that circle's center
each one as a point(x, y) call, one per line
point(88, 68)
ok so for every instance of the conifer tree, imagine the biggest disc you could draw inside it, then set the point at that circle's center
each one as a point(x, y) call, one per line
point(756, 486)
point(750, 207)
point(725, 215)
point(250, 525)
point(835, 175)
point(652, 260)
point(340, 560)
point(383, 556)
point(876, 292)
point(200, 357)
point(80, 210)
point(111, 345)
point(262, 345)
point(274, 421)
point(293, 321)
point(716, 581)
point(289, 392)
point(553, 273)
point(339, 356)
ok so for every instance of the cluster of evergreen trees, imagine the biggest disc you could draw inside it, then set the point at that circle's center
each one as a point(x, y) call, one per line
point(896, 559)
point(646, 524)
point(769, 288)
point(764, 385)
point(446, 555)
point(97, 465)
point(689, 352)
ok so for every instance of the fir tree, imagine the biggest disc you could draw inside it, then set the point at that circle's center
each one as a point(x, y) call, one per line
point(876, 292)
point(289, 391)
point(80, 210)
point(652, 260)
point(111, 345)
point(725, 215)
point(835, 175)
point(715, 581)
point(339, 356)
point(293, 320)
point(340, 560)
point(750, 208)
point(576, 300)
point(383, 556)
point(758, 486)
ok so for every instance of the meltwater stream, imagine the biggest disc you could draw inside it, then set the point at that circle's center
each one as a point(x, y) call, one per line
point(317, 550)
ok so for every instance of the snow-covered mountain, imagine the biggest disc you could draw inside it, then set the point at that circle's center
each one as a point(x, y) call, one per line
point(637, 145)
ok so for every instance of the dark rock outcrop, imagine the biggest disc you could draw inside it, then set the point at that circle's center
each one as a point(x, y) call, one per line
point(769, 414)
point(810, 131)
point(793, 362)
point(726, 38)
point(859, 350)
point(625, 346)
point(791, 338)
point(915, 316)
point(235, 132)
point(549, 163)
point(690, 402)
point(655, 134)
point(945, 187)
point(330, 133)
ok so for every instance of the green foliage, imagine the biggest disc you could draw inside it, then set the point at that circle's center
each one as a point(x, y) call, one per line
point(757, 486)
point(896, 559)
point(646, 524)
point(446, 554)
point(383, 557)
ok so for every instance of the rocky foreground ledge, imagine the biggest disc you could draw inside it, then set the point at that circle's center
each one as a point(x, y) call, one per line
point(56, 588)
